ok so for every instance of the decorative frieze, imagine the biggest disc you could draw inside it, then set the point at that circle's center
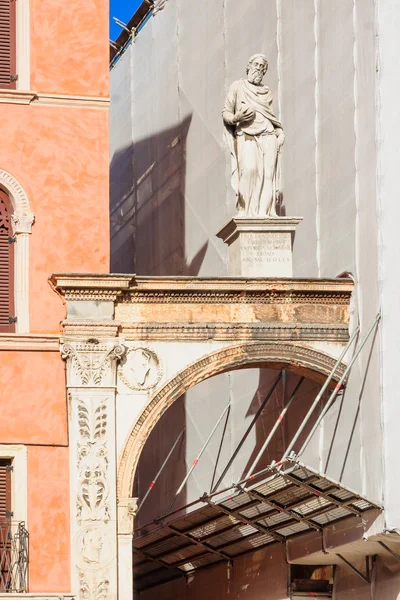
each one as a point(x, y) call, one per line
point(235, 332)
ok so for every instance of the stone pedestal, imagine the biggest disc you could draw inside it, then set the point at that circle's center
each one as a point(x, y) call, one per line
point(260, 247)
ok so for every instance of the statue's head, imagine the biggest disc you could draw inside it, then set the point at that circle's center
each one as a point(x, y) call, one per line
point(256, 68)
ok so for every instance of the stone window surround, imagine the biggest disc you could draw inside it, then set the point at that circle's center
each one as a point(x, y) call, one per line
point(23, 45)
point(22, 219)
point(19, 486)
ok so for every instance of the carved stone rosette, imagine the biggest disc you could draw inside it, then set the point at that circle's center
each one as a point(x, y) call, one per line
point(91, 378)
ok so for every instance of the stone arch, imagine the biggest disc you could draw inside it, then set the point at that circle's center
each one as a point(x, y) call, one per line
point(21, 221)
point(23, 216)
point(290, 356)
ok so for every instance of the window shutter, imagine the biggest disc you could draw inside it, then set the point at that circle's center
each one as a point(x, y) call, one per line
point(7, 44)
point(5, 488)
point(6, 266)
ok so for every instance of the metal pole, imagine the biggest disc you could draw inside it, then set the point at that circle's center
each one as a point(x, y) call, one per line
point(339, 385)
point(242, 441)
point(152, 484)
point(275, 427)
point(196, 460)
point(321, 393)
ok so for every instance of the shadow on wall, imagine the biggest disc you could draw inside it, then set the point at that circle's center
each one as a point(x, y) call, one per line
point(147, 191)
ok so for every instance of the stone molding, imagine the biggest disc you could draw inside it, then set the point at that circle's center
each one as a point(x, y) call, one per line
point(241, 224)
point(42, 343)
point(90, 329)
point(42, 99)
point(18, 196)
point(291, 356)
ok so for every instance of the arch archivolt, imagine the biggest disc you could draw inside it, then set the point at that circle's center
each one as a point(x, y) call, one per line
point(23, 217)
point(22, 220)
point(291, 356)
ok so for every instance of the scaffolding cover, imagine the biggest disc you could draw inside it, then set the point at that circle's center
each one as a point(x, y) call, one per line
point(293, 500)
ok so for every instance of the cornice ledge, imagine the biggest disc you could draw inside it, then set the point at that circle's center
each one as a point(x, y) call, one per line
point(90, 286)
point(41, 99)
point(97, 102)
point(97, 286)
point(17, 96)
point(15, 341)
point(235, 284)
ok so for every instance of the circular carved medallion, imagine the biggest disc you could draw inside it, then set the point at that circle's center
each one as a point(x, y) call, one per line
point(140, 369)
point(94, 547)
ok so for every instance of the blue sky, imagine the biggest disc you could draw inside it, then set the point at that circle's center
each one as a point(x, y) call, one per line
point(123, 10)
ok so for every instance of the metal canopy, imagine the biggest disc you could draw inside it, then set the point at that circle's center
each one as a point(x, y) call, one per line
point(293, 500)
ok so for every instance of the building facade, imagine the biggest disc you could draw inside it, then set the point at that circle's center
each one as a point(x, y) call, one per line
point(53, 162)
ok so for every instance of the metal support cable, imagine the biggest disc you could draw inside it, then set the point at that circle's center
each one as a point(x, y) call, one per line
point(321, 393)
point(152, 484)
point(339, 385)
point(275, 427)
point(196, 460)
point(250, 427)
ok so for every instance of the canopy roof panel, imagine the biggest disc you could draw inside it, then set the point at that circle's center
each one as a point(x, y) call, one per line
point(292, 500)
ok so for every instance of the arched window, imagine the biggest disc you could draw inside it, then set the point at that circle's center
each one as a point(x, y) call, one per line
point(6, 266)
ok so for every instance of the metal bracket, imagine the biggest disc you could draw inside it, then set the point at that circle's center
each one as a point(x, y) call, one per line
point(13, 78)
point(9, 513)
point(368, 567)
point(9, 468)
point(396, 556)
point(12, 320)
point(12, 239)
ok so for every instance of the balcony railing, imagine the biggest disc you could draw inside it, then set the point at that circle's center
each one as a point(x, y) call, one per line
point(13, 556)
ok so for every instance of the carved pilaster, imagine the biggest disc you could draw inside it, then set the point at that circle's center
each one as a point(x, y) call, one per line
point(127, 508)
point(91, 378)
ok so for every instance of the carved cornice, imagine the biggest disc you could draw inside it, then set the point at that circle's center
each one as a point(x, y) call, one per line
point(134, 289)
point(91, 287)
point(235, 297)
point(236, 331)
point(291, 356)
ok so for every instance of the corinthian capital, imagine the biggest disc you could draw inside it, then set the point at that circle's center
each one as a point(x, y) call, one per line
point(127, 508)
point(22, 222)
point(92, 363)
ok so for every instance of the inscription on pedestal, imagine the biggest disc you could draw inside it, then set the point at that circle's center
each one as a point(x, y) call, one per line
point(260, 248)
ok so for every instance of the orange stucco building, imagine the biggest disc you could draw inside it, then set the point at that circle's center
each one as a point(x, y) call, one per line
point(54, 172)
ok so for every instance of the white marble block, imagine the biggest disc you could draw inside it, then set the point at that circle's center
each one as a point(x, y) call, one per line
point(260, 247)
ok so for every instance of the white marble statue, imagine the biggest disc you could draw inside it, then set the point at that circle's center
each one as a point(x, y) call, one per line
point(255, 139)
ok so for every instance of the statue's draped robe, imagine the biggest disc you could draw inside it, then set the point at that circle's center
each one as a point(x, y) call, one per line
point(253, 147)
